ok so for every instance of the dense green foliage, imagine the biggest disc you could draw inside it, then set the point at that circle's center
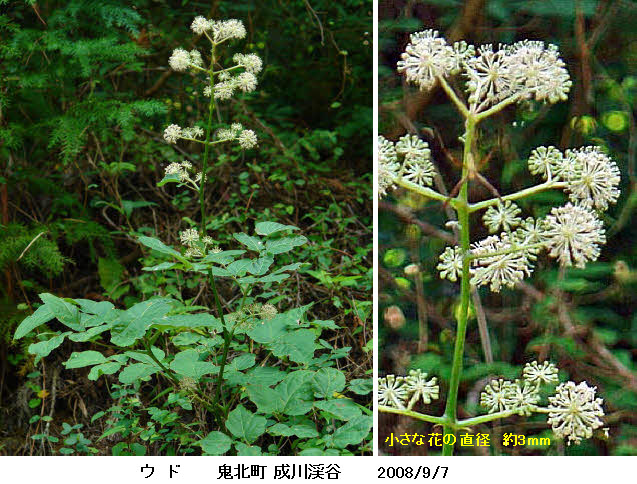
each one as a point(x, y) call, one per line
point(85, 94)
point(581, 319)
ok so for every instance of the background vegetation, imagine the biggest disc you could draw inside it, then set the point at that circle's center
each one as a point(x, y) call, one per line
point(85, 92)
point(582, 320)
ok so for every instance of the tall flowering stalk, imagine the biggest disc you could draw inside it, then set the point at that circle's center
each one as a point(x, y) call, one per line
point(221, 83)
point(572, 234)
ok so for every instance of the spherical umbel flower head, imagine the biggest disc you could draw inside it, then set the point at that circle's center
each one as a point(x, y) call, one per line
point(495, 396)
point(418, 168)
point(450, 265)
point(500, 262)
point(418, 387)
point(593, 177)
point(388, 166)
point(539, 374)
point(546, 161)
point(179, 60)
point(392, 391)
point(502, 216)
point(426, 58)
point(573, 235)
point(574, 411)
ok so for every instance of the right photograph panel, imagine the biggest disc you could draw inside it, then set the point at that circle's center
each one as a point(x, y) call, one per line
point(506, 172)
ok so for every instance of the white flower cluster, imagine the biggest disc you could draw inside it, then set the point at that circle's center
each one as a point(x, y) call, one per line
point(405, 391)
point(524, 70)
point(181, 59)
point(245, 137)
point(196, 246)
point(183, 172)
point(175, 132)
point(218, 30)
point(416, 167)
point(572, 234)
point(573, 412)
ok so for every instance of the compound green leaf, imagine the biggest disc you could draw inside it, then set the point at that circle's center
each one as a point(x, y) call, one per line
point(247, 450)
point(224, 257)
point(361, 386)
point(239, 267)
point(199, 320)
point(245, 425)
point(260, 266)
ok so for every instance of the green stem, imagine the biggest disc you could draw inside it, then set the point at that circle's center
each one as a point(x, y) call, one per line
point(206, 152)
point(462, 208)
point(474, 207)
point(227, 337)
point(412, 414)
point(424, 191)
point(470, 422)
point(454, 97)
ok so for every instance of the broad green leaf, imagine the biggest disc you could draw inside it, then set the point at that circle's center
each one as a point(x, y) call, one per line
point(242, 362)
point(224, 257)
point(199, 320)
point(361, 386)
point(265, 375)
point(245, 425)
point(90, 333)
point(263, 279)
point(295, 391)
point(306, 430)
point(297, 345)
point(186, 363)
point(110, 271)
point(239, 267)
point(99, 308)
point(260, 266)
point(251, 242)
point(41, 315)
point(269, 228)
point(247, 450)
point(289, 267)
point(137, 320)
point(169, 178)
point(161, 267)
point(104, 369)
point(136, 371)
point(285, 244)
point(220, 272)
point(44, 348)
point(353, 432)
point(269, 332)
point(158, 353)
point(158, 245)
point(215, 443)
point(341, 408)
point(265, 398)
point(327, 381)
point(130, 205)
point(84, 358)
point(65, 312)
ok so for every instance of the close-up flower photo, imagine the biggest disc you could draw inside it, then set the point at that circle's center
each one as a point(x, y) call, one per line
point(186, 233)
point(506, 158)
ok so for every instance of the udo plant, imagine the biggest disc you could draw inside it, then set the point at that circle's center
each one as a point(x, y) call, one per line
point(262, 374)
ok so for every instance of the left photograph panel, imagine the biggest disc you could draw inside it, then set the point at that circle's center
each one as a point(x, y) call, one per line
point(186, 228)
